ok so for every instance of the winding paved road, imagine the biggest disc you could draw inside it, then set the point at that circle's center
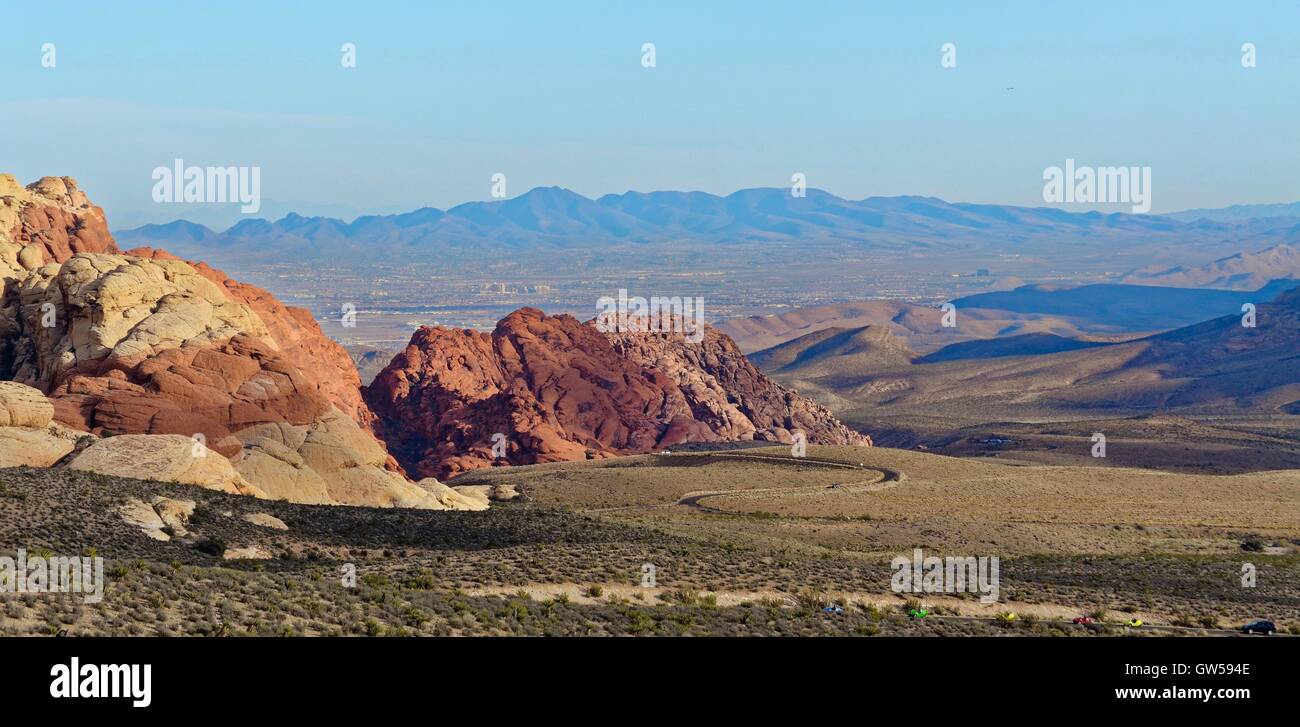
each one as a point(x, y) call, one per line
point(883, 479)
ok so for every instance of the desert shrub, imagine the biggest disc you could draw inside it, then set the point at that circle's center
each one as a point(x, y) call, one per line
point(1183, 620)
point(810, 600)
point(215, 547)
point(873, 612)
point(682, 596)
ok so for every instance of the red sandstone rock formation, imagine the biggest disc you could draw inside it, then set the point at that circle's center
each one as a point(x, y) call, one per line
point(559, 389)
point(50, 220)
point(147, 343)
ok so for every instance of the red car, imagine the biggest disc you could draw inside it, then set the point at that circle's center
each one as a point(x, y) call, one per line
point(1083, 619)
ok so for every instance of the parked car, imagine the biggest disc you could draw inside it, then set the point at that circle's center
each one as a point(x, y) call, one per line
point(1259, 627)
point(833, 609)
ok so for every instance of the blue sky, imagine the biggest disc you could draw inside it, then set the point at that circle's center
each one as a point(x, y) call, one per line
point(744, 94)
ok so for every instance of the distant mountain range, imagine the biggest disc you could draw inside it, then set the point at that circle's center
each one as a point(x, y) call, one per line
point(1239, 212)
point(556, 218)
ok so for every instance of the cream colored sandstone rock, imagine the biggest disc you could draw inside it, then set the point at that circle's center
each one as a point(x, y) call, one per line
point(450, 498)
point(250, 552)
point(28, 437)
point(127, 307)
point(331, 461)
point(23, 406)
point(488, 493)
point(143, 516)
point(26, 447)
point(174, 513)
point(163, 457)
point(265, 520)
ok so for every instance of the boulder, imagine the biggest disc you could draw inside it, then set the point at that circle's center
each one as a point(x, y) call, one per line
point(30, 447)
point(451, 499)
point(28, 436)
point(142, 515)
point(488, 493)
point(174, 513)
point(331, 461)
point(264, 520)
point(24, 406)
point(247, 552)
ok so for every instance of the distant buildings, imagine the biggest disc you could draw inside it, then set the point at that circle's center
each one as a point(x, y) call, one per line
point(508, 289)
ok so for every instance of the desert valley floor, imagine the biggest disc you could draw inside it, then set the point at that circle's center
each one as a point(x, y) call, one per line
point(741, 541)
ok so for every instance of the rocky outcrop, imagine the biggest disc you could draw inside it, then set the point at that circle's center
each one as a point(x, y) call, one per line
point(45, 222)
point(140, 514)
point(127, 345)
point(549, 388)
point(450, 497)
point(44, 447)
point(728, 395)
point(488, 493)
point(29, 436)
point(330, 460)
point(264, 520)
point(23, 406)
point(158, 355)
point(165, 458)
point(297, 337)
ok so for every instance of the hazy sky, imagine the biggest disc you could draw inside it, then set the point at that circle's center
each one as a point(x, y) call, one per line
point(744, 94)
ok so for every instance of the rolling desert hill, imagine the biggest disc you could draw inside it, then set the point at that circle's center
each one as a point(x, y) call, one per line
point(1103, 312)
point(920, 326)
point(1217, 371)
point(867, 347)
point(1120, 308)
point(1025, 344)
point(1243, 271)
